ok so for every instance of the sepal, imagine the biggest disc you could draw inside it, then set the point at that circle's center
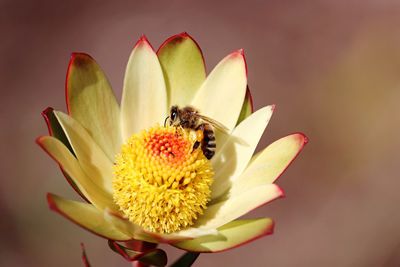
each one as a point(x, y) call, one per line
point(85, 259)
point(154, 256)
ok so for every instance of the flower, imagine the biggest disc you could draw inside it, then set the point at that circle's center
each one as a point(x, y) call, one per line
point(126, 165)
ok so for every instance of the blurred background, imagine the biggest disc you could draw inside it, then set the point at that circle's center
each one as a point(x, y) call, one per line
point(331, 67)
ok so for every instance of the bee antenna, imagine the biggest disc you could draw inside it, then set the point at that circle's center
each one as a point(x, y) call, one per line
point(165, 121)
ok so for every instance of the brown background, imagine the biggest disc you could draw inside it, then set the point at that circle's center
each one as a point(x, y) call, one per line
point(332, 68)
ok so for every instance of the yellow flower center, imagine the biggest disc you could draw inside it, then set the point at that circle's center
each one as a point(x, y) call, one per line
point(161, 183)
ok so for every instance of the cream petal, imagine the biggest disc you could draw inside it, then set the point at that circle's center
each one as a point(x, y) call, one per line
point(231, 235)
point(144, 97)
point(236, 205)
point(183, 66)
point(93, 192)
point(91, 158)
point(233, 157)
point(91, 101)
point(222, 94)
point(87, 216)
point(270, 163)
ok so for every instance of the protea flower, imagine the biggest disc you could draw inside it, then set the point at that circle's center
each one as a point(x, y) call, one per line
point(143, 182)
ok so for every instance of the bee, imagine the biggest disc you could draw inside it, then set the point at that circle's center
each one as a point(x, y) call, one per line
point(190, 118)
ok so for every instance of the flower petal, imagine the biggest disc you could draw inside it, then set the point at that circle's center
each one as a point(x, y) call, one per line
point(144, 98)
point(183, 65)
point(85, 215)
point(233, 157)
point(247, 107)
point(231, 235)
point(91, 158)
point(236, 205)
point(221, 95)
point(95, 194)
point(269, 164)
point(126, 227)
point(56, 130)
point(91, 101)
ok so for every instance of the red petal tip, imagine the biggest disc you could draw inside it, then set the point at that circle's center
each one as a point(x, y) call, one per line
point(80, 55)
point(143, 41)
point(303, 138)
point(237, 53)
point(240, 54)
point(281, 192)
point(47, 111)
point(273, 107)
point(143, 38)
point(50, 202)
point(38, 140)
point(306, 140)
point(270, 230)
point(45, 114)
point(184, 35)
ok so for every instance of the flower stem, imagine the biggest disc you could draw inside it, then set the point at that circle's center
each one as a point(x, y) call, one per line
point(140, 246)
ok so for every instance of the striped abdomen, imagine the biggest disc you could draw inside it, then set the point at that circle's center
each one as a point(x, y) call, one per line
point(208, 143)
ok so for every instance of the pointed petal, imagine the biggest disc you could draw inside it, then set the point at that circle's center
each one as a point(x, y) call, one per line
point(95, 194)
point(271, 162)
point(247, 107)
point(230, 236)
point(126, 227)
point(237, 151)
point(221, 95)
point(153, 257)
point(184, 70)
point(91, 158)
point(92, 103)
point(85, 215)
point(56, 130)
point(144, 98)
point(54, 127)
point(236, 205)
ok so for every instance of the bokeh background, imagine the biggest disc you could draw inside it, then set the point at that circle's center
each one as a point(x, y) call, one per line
point(331, 67)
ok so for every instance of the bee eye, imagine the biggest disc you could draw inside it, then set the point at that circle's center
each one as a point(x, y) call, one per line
point(173, 115)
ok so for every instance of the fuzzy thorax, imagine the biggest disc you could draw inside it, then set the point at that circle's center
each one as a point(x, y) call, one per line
point(160, 182)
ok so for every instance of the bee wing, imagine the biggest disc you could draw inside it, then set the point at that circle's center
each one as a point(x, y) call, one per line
point(214, 123)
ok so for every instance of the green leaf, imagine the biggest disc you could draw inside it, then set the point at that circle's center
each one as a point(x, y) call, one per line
point(186, 260)
point(183, 66)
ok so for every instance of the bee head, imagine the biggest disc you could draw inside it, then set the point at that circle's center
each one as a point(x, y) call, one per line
point(174, 115)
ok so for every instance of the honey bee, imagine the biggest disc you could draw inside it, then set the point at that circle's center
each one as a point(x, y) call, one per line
point(190, 118)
